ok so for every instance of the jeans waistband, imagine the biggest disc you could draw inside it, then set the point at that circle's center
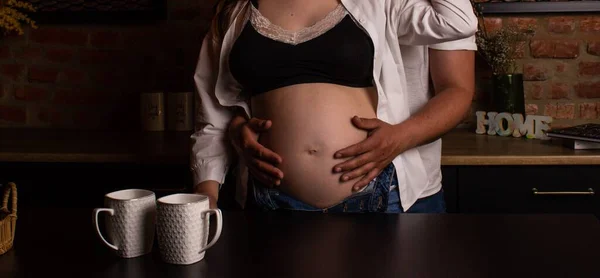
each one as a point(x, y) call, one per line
point(374, 198)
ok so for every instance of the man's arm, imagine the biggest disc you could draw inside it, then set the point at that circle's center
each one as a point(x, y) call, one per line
point(453, 76)
point(452, 72)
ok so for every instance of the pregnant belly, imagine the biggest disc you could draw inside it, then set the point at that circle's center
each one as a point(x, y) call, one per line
point(310, 123)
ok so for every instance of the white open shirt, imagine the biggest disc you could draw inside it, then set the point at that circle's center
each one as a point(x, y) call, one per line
point(401, 31)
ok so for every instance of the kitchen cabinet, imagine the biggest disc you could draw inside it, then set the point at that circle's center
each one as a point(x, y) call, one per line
point(491, 174)
point(481, 173)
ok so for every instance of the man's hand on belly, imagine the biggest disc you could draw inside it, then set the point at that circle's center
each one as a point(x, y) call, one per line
point(260, 160)
point(369, 157)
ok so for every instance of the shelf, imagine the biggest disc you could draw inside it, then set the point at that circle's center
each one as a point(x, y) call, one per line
point(45, 145)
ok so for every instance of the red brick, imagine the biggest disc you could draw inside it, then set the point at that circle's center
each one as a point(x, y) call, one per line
point(30, 93)
point(5, 52)
point(588, 111)
point(561, 68)
point(102, 57)
point(554, 48)
point(588, 89)
point(71, 96)
point(68, 96)
point(94, 56)
point(594, 48)
point(28, 53)
point(589, 68)
point(59, 55)
point(559, 90)
point(104, 39)
point(86, 118)
point(110, 77)
point(560, 125)
point(12, 71)
point(565, 111)
point(534, 89)
point(73, 76)
point(49, 115)
point(147, 37)
point(492, 24)
point(590, 24)
point(12, 37)
point(43, 74)
point(59, 35)
point(533, 72)
point(189, 13)
point(12, 114)
point(550, 110)
point(5, 90)
point(523, 23)
point(531, 109)
point(561, 24)
point(566, 49)
point(542, 48)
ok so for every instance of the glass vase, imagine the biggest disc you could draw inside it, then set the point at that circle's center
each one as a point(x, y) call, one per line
point(507, 94)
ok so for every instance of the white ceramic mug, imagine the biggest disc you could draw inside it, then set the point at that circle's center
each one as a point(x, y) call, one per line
point(183, 227)
point(131, 224)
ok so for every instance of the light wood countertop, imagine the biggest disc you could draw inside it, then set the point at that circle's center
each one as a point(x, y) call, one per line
point(460, 147)
point(465, 147)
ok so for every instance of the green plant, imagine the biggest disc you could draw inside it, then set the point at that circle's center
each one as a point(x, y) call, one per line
point(499, 48)
point(13, 13)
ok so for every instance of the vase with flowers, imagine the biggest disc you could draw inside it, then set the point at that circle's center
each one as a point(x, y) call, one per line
point(499, 49)
point(13, 15)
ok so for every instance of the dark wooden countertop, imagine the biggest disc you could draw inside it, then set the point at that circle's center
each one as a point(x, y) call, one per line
point(460, 147)
point(297, 244)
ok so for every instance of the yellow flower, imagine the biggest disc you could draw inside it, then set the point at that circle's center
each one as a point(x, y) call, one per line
point(13, 14)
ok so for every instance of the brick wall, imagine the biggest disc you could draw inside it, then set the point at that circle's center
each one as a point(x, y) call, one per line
point(90, 77)
point(561, 67)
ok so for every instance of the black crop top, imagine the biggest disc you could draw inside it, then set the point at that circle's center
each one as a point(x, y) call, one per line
point(340, 55)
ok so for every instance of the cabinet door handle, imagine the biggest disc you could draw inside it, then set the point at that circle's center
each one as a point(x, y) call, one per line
point(589, 192)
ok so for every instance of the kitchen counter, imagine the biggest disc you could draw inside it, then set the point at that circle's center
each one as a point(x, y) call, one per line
point(323, 245)
point(45, 145)
point(460, 147)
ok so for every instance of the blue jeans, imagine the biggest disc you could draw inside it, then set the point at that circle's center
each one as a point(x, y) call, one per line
point(380, 195)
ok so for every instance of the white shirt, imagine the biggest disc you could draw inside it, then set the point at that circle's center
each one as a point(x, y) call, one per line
point(400, 31)
point(416, 68)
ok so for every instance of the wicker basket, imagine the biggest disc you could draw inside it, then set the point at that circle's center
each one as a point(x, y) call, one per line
point(8, 219)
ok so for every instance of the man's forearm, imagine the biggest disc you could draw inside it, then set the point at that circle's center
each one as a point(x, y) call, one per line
point(441, 114)
point(453, 76)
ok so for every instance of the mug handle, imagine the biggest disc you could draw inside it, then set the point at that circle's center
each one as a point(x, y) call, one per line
point(96, 213)
point(219, 221)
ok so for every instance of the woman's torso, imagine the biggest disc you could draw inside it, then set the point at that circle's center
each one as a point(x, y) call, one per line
point(310, 123)
point(311, 120)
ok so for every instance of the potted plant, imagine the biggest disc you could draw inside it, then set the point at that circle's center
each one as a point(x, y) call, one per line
point(13, 13)
point(499, 49)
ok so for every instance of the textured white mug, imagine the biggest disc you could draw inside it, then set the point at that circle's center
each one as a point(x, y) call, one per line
point(183, 226)
point(131, 224)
